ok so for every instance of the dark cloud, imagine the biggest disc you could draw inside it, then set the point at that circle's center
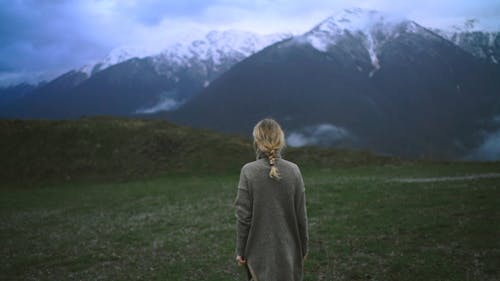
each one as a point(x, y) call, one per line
point(60, 35)
point(37, 35)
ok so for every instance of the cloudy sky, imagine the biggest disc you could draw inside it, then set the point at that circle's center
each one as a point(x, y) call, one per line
point(43, 38)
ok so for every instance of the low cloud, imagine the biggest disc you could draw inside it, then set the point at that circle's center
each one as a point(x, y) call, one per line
point(489, 150)
point(166, 103)
point(17, 77)
point(324, 134)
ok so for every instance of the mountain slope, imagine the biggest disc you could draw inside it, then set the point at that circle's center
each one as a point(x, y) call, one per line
point(386, 84)
point(12, 94)
point(117, 90)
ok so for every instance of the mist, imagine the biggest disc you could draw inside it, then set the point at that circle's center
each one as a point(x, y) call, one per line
point(489, 150)
point(324, 134)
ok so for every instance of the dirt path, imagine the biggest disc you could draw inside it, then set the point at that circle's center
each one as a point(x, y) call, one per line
point(455, 178)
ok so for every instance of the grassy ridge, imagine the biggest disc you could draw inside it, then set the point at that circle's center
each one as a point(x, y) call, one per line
point(363, 226)
point(111, 148)
point(105, 148)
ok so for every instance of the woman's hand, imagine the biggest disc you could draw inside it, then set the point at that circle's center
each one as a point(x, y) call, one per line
point(240, 260)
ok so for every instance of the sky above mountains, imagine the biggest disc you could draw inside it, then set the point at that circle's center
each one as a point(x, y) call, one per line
point(43, 38)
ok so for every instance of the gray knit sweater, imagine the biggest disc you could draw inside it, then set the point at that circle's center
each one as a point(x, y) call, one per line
point(271, 225)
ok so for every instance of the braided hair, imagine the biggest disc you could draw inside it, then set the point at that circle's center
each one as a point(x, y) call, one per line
point(269, 139)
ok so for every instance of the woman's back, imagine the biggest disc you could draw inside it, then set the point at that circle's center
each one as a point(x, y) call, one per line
point(272, 219)
point(274, 202)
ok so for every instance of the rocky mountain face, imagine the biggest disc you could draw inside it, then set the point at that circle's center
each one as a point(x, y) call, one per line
point(359, 79)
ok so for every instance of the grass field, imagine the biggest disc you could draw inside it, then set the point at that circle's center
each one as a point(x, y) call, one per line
point(365, 224)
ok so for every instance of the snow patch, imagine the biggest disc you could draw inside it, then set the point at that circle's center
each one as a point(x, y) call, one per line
point(87, 69)
point(411, 27)
point(373, 55)
point(318, 44)
point(491, 39)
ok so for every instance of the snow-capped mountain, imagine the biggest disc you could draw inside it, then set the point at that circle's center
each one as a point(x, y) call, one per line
point(170, 77)
point(361, 79)
point(215, 49)
point(377, 27)
point(216, 46)
point(372, 28)
point(208, 57)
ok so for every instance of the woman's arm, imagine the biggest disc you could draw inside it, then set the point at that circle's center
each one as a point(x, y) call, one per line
point(243, 214)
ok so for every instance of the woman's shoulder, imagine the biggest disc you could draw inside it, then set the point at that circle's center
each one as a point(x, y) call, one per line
point(288, 163)
point(251, 165)
point(292, 167)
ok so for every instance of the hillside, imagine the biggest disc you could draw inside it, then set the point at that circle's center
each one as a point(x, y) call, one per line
point(120, 148)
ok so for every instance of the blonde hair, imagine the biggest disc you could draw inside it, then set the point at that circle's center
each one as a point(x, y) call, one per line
point(268, 138)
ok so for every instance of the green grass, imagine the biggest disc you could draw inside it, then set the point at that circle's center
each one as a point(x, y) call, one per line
point(363, 226)
point(122, 149)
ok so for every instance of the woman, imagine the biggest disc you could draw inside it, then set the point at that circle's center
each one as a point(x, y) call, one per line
point(272, 232)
